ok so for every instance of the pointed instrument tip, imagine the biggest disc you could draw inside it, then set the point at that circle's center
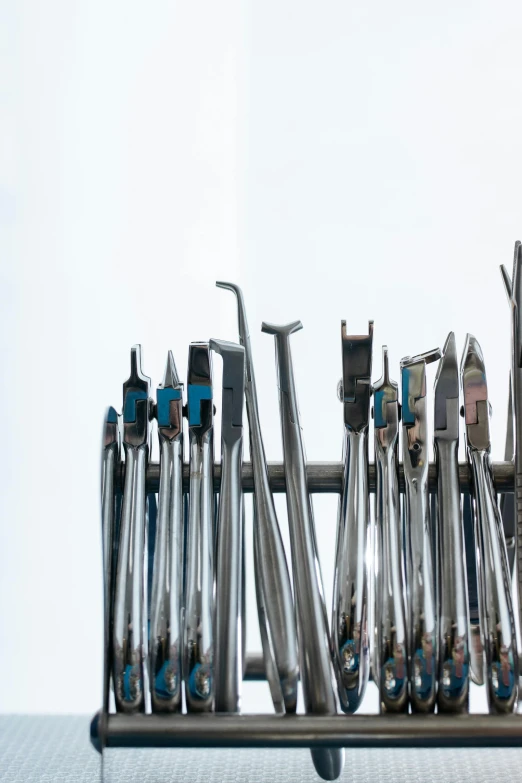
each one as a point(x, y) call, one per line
point(385, 365)
point(450, 347)
point(517, 256)
point(508, 285)
point(137, 380)
point(170, 376)
point(446, 381)
point(136, 374)
point(449, 362)
point(136, 355)
point(472, 354)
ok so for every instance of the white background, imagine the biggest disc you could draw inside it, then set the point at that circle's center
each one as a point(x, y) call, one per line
point(337, 159)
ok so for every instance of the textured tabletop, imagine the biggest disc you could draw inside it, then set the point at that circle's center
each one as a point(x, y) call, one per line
point(57, 750)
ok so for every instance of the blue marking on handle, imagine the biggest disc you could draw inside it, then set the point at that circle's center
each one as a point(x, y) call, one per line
point(195, 395)
point(408, 416)
point(423, 673)
point(129, 408)
point(163, 397)
point(128, 685)
point(379, 419)
point(112, 416)
point(455, 675)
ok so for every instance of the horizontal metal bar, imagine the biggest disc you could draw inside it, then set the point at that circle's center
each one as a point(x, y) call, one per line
point(304, 731)
point(327, 477)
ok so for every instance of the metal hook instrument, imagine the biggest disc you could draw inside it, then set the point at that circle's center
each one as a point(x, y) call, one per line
point(312, 622)
point(273, 588)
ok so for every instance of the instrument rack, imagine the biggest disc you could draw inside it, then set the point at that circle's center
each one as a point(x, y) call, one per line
point(305, 731)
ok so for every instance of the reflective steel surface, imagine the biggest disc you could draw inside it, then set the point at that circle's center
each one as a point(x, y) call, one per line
point(166, 636)
point(129, 630)
point(228, 666)
point(352, 617)
point(392, 640)
point(454, 654)
point(495, 604)
point(512, 506)
point(420, 573)
point(111, 445)
point(273, 588)
point(312, 623)
point(198, 657)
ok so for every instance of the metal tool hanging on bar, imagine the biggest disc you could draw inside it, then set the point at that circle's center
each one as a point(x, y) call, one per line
point(494, 581)
point(392, 639)
point(420, 575)
point(454, 655)
point(512, 504)
point(273, 589)
point(166, 633)
point(424, 651)
point(228, 658)
point(352, 624)
point(110, 507)
point(129, 629)
point(198, 660)
point(312, 623)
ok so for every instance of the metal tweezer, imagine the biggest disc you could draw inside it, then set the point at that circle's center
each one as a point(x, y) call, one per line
point(273, 588)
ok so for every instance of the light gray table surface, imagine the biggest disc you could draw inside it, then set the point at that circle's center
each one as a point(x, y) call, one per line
point(56, 749)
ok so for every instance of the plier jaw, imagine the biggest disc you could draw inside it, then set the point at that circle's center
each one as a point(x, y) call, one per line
point(200, 407)
point(169, 402)
point(385, 391)
point(136, 403)
point(355, 388)
point(446, 418)
point(475, 392)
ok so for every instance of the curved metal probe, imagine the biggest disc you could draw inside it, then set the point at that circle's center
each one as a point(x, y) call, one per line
point(422, 609)
point(352, 616)
point(454, 652)
point(228, 664)
point(494, 582)
point(129, 630)
point(312, 622)
point(111, 446)
point(392, 637)
point(198, 659)
point(273, 588)
point(167, 577)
